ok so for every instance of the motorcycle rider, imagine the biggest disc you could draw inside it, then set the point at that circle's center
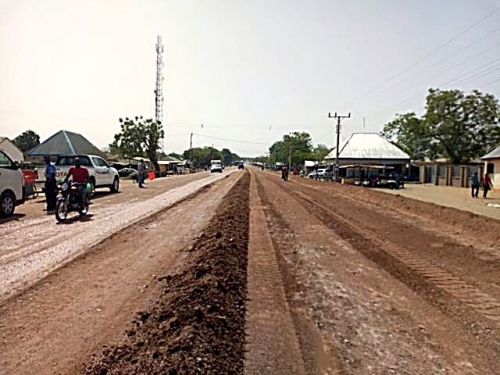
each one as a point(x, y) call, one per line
point(284, 173)
point(80, 175)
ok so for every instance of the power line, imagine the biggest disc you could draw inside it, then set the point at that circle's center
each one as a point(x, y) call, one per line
point(231, 140)
point(463, 32)
point(421, 108)
point(376, 95)
point(444, 84)
point(455, 81)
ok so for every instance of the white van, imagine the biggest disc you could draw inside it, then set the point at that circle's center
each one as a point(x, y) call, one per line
point(11, 185)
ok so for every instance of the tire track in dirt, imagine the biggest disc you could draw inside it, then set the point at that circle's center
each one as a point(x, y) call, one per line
point(272, 345)
point(363, 244)
point(392, 258)
point(469, 295)
point(313, 352)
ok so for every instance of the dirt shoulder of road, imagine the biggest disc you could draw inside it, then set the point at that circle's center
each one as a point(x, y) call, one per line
point(197, 323)
point(453, 197)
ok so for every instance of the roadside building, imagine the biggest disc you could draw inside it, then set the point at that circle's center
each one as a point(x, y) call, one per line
point(492, 166)
point(11, 150)
point(368, 154)
point(65, 143)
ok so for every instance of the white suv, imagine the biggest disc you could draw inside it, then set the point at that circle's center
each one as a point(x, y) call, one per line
point(11, 185)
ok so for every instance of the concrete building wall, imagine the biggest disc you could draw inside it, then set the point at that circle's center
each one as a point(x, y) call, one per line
point(495, 176)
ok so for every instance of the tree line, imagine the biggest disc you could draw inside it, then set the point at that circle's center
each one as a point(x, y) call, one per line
point(139, 137)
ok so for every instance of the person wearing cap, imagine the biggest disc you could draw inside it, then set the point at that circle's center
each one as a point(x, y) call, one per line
point(50, 185)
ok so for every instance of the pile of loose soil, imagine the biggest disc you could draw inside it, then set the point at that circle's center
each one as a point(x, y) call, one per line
point(197, 325)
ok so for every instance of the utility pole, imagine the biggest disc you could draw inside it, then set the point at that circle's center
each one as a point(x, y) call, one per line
point(289, 156)
point(191, 151)
point(159, 87)
point(337, 151)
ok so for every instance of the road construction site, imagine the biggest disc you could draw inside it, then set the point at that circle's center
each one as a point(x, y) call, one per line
point(243, 273)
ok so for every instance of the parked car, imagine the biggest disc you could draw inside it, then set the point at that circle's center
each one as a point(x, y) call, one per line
point(126, 172)
point(101, 173)
point(11, 185)
point(321, 174)
point(216, 168)
point(391, 181)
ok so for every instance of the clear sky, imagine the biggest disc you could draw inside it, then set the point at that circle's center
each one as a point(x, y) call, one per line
point(248, 70)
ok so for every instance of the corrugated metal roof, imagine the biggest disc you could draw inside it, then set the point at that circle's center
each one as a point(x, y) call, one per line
point(65, 143)
point(495, 154)
point(2, 139)
point(368, 146)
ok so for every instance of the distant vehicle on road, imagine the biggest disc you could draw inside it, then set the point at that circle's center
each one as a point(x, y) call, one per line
point(241, 166)
point(216, 168)
point(11, 185)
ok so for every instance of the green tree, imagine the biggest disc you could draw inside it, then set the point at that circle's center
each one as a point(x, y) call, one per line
point(26, 141)
point(409, 133)
point(320, 152)
point(139, 137)
point(456, 126)
point(297, 145)
point(462, 127)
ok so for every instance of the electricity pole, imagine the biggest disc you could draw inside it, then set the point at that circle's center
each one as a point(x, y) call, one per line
point(191, 151)
point(337, 151)
point(289, 157)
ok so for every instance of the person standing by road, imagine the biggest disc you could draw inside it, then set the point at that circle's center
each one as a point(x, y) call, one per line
point(141, 170)
point(475, 185)
point(50, 185)
point(487, 185)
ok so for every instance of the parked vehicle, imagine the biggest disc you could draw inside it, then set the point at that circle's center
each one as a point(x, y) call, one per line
point(392, 181)
point(11, 185)
point(125, 172)
point(216, 168)
point(70, 200)
point(101, 174)
point(321, 174)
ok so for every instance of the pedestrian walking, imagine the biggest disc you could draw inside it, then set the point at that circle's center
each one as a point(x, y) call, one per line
point(50, 185)
point(141, 171)
point(475, 185)
point(487, 185)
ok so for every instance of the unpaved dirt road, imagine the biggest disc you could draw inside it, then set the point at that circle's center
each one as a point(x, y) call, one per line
point(389, 291)
point(258, 276)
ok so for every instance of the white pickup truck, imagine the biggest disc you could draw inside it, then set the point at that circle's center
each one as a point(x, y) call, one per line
point(101, 174)
point(11, 185)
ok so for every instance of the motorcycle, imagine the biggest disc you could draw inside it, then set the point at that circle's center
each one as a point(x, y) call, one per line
point(69, 200)
point(284, 175)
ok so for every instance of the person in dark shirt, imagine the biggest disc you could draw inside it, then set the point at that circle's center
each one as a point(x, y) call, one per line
point(50, 185)
point(475, 185)
point(80, 175)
